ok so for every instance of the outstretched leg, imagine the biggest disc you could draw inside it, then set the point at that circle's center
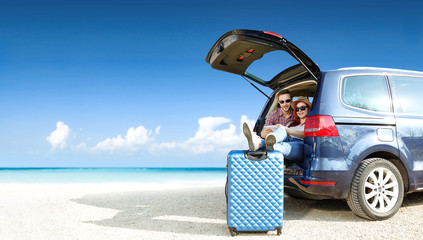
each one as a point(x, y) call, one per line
point(254, 141)
point(279, 140)
point(277, 136)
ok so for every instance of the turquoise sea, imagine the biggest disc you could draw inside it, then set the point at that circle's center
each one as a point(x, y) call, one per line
point(98, 175)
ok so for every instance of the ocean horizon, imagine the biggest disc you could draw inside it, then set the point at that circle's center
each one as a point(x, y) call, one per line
point(109, 174)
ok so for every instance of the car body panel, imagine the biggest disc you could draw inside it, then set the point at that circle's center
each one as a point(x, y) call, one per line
point(410, 131)
point(362, 132)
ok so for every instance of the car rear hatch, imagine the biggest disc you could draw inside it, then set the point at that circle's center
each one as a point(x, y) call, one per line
point(236, 50)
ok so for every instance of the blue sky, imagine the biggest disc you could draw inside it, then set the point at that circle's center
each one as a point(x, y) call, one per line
point(124, 83)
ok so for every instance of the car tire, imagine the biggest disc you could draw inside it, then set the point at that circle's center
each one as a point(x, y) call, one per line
point(377, 189)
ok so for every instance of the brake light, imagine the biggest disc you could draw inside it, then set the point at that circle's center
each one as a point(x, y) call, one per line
point(274, 34)
point(320, 126)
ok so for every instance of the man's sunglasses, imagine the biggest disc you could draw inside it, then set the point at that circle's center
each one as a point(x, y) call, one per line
point(301, 108)
point(286, 101)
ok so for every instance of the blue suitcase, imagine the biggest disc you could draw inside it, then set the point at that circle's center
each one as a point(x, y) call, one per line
point(255, 191)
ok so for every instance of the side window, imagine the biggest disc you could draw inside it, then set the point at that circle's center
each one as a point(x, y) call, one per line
point(408, 94)
point(366, 92)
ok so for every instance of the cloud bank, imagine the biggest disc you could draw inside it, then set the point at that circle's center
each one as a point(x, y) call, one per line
point(213, 134)
point(209, 138)
point(135, 138)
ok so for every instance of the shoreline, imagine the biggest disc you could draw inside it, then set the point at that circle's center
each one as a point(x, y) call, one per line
point(110, 175)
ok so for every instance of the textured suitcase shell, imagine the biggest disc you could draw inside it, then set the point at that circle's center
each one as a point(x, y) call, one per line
point(255, 192)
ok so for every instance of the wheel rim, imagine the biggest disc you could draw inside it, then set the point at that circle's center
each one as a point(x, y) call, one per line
point(381, 190)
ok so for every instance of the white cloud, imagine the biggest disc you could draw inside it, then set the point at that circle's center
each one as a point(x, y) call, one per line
point(81, 146)
point(157, 131)
point(135, 137)
point(214, 134)
point(209, 139)
point(58, 137)
point(164, 145)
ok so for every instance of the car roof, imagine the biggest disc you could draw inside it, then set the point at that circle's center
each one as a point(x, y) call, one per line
point(357, 70)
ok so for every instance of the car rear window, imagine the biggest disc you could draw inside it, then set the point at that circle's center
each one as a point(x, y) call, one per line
point(366, 92)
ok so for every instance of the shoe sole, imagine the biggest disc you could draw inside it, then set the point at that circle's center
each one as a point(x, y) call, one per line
point(247, 132)
point(270, 141)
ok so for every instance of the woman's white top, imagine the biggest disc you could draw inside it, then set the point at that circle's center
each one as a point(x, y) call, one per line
point(298, 128)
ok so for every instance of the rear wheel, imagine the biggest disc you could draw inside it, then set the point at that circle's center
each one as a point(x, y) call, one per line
point(377, 189)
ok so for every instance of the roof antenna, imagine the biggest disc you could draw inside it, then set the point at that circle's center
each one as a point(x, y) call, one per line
point(256, 87)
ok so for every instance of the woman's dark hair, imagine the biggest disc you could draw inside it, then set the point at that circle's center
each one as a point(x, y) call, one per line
point(297, 121)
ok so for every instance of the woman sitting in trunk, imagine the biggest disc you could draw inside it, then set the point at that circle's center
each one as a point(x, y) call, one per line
point(289, 140)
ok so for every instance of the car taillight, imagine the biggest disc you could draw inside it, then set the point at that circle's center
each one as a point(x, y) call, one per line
point(320, 126)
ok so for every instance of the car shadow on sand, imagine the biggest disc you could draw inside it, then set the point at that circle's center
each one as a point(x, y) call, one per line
point(203, 211)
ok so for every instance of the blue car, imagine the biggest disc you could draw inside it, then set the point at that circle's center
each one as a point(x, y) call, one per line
point(363, 134)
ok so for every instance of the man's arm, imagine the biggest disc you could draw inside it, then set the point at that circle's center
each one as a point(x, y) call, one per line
point(270, 120)
point(299, 134)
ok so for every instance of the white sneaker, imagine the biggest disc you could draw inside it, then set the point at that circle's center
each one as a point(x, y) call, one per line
point(254, 141)
point(270, 141)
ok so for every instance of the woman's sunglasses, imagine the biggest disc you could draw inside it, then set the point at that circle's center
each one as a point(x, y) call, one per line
point(301, 108)
point(286, 101)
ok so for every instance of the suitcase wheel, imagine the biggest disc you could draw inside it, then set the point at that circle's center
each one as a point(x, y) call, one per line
point(279, 231)
point(233, 231)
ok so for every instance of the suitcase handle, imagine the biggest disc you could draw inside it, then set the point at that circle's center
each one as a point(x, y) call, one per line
point(256, 155)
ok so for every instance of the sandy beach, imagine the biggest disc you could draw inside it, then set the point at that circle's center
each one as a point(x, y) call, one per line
point(185, 210)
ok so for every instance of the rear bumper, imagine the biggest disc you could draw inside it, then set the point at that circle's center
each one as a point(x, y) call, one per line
point(321, 185)
point(296, 192)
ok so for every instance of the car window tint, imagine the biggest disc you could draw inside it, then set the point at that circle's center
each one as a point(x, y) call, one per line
point(409, 95)
point(366, 92)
